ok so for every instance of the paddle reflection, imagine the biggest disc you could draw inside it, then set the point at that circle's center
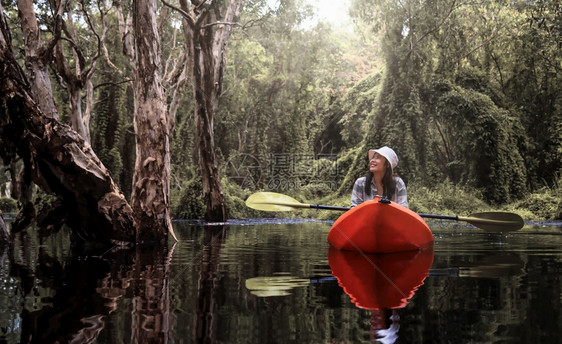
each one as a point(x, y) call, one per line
point(372, 281)
point(275, 285)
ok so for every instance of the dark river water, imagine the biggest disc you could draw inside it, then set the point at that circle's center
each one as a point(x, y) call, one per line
point(274, 281)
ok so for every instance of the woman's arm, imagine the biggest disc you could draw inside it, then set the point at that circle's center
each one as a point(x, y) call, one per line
point(400, 195)
point(358, 193)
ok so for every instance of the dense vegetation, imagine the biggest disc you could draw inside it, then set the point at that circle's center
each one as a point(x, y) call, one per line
point(468, 94)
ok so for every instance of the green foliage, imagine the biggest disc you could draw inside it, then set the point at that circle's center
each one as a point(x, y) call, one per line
point(448, 109)
point(478, 141)
point(111, 128)
point(182, 143)
point(284, 88)
point(354, 164)
point(540, 206)
point(43, 201)
point(468, 94)
point(8, 205)
point(187, 200)
point(360, 101)
point(236, 201)
point(544, 204)
point(114, 162)
point(445, 198)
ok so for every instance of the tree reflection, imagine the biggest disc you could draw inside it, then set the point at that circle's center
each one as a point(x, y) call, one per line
point(205, 319)
point(151, 301)
point(78, 302)
point(72, 299)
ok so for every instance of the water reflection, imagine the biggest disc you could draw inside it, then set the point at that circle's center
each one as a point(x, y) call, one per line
point(385, 325)
point(380, 281)
point(81, 291)
point(494, 265)
point(275, 285)
point(211, 287)
point(72, 298)
point(151, 297)
point(204, 329)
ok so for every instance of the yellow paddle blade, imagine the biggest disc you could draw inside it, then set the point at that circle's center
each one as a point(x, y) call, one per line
point(271, 201)
point(495, 221)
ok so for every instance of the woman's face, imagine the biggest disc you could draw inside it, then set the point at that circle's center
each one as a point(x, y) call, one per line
point(377, 164)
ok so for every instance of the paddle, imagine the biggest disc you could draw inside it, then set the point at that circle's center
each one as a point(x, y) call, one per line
point(489, 221)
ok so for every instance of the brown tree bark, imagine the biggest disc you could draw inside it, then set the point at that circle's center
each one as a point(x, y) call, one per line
point(37, 58)
point(59, 160)
point(151, 180)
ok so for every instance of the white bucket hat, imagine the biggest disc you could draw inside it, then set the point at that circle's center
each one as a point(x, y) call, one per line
point(388, 154)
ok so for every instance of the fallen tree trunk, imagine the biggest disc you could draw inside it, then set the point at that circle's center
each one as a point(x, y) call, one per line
point(59, 160)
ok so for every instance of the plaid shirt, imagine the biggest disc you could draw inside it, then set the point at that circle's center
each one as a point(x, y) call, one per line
point(358, 195)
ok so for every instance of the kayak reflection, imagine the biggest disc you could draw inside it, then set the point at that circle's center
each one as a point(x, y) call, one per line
point(380, 281)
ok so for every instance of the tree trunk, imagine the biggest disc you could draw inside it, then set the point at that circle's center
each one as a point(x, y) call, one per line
point(151, 180)
point(75, 105)
point(204, 115)
point(37, 58)
point(207, 39)
point(78, 79)
point(59, 160)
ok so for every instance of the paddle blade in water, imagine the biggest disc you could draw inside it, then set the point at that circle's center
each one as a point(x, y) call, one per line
point(495, 221)
point(271, 201)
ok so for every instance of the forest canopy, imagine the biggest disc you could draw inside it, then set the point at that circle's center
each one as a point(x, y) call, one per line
point(467, 93)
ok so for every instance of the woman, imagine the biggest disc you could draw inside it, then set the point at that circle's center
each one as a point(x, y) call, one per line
point(380, 179)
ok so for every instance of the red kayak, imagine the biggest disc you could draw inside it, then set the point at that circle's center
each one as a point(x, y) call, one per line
point(380, 281)
point(378, 227)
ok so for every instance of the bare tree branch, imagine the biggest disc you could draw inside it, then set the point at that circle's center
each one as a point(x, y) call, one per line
point(185, 15)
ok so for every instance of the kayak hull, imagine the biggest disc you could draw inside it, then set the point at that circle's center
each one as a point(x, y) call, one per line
point(376, 227)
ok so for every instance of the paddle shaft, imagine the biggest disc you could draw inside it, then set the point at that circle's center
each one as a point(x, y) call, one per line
point(473, 220)
point(490, 221)
point(491, 224)
point(431, 216)
point(327, 207)
point(443, 217)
